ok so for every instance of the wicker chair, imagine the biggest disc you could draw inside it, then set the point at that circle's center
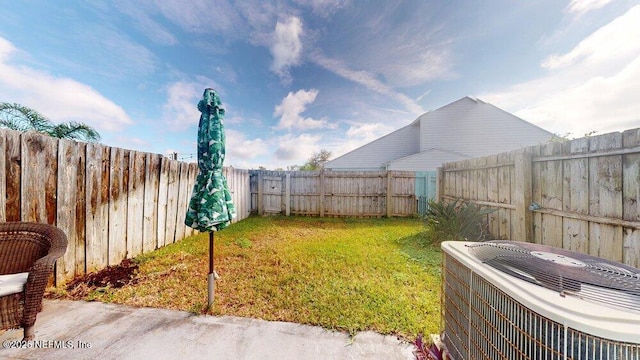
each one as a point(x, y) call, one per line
point(27, 248)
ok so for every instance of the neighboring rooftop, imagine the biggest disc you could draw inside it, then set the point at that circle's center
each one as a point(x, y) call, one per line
point(465, 128)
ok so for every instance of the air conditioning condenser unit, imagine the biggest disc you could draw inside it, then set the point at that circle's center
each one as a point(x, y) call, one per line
point(514, 300)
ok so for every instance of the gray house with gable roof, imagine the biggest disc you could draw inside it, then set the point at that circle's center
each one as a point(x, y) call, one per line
point(464, 129)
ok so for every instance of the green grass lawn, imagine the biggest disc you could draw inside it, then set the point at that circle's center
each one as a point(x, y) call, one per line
point(344, 274)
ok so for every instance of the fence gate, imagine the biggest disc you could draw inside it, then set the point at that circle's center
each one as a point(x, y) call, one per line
point(425, 189)
point(272, 194)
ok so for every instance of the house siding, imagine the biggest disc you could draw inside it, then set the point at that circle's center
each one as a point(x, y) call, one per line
point(427, 160)
point(475, 128)
point(372, 156)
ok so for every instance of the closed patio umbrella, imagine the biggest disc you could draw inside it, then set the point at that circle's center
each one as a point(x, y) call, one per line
point(210, 208)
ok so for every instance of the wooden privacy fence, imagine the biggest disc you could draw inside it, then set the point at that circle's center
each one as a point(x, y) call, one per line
point(581, 195)
point(112, 203)
point(333, 193)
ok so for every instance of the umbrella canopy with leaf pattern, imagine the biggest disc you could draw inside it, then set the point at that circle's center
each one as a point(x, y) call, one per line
point(210, 207)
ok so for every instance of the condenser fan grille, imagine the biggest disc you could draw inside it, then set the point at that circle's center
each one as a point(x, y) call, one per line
point(570, 273)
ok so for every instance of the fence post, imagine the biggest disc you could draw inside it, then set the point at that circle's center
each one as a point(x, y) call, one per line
point(439, 184)
point(287, 194)
point(523, 227)
point(389, 194)
point(260, 193)
point(322, 193)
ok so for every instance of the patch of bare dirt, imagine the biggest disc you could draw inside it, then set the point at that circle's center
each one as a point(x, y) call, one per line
point(115, 276)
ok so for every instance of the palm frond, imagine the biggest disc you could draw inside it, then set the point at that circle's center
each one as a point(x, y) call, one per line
point(76, 131)
point(21, 118)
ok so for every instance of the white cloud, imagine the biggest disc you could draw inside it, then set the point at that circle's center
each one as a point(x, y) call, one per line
point(411, 47)
point(424, 94)
point(583, 6)
point(123, 56)
point(238, 147)
point(58, 98)
point(590, 88)
point(287, 46)
point(368, 80)
point(368, 132)
point(181, 108)
point(202, 16)
point(295, 150)
point(419, 65)
point(603, 104)
point(292, 106)
point(141, 17)
point(606, 49)
point(6, 49)
point(324, 7)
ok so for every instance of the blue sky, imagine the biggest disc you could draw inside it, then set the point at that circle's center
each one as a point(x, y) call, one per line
point(299, 76)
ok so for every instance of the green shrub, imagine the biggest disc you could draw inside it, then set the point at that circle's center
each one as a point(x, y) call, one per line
point(457, 220)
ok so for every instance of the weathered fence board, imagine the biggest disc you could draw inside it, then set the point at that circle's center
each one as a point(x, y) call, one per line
point(163, 193)
point(473, 179)
point(151, 211)
point(631, 197)
point(182, 200)
point(191, 180)
point(504, 196)
point(97, 190)
point(135, 203)
point(536, 195)
point(492, 193)
point(118, 183)
point(514, 213)
point(582, 195)
point(575, 197)
point(39, 177)
point(71, 208)
point(172, 201)
point(605, 193)
point(239, 183)
point(483, 194)
point(551, 192)
point(448, 181)
point(522, 197)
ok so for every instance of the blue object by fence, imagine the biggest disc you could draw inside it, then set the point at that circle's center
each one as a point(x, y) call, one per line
point(425, 189)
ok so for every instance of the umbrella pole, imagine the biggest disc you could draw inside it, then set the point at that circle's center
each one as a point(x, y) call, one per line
point(211, 277)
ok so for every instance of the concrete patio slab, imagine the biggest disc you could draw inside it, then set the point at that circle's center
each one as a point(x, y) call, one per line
point(93, 330)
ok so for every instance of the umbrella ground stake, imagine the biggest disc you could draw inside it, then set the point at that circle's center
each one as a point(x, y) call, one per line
point(211, 278)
